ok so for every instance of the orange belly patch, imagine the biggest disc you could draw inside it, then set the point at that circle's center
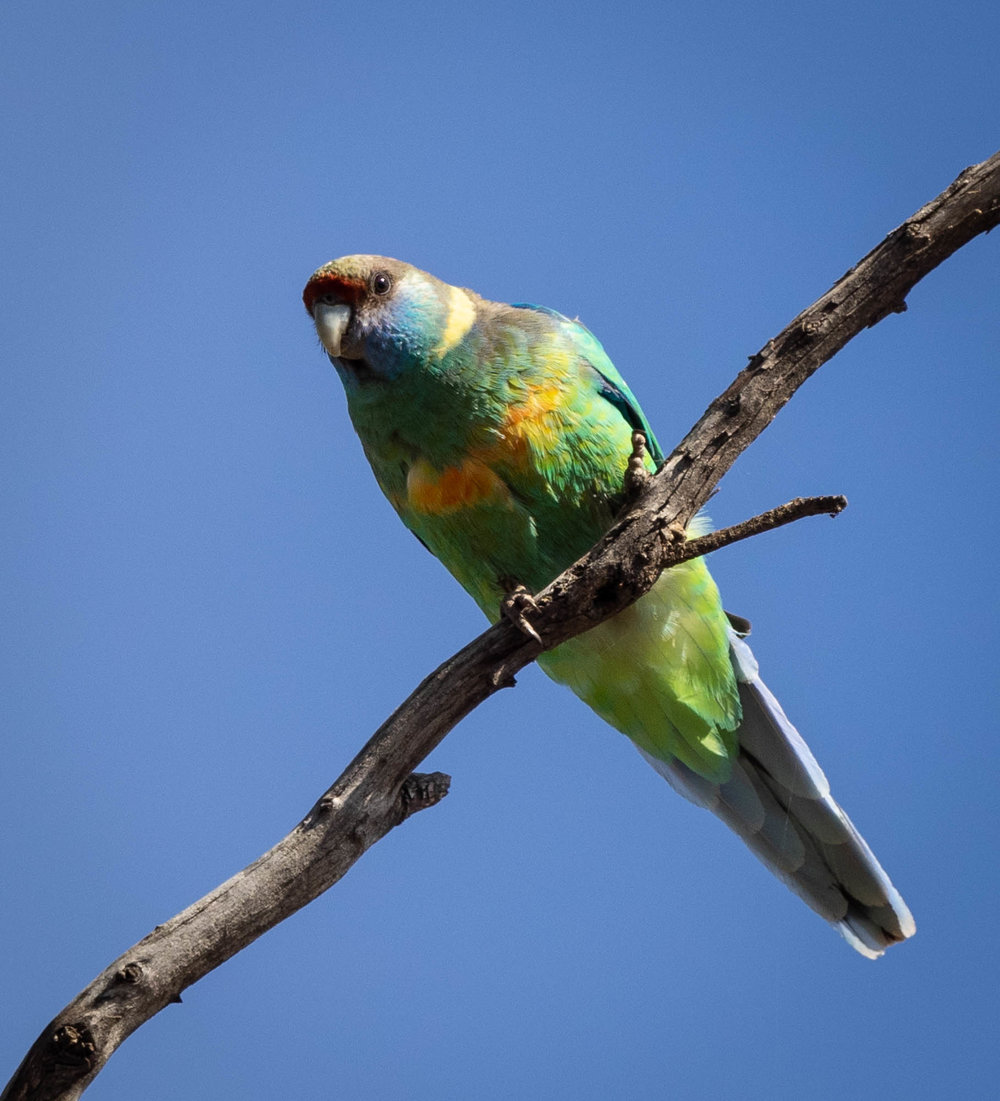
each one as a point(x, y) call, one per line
point(439, 491)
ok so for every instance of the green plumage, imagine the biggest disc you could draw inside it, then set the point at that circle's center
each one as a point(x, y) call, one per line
point(501, 435)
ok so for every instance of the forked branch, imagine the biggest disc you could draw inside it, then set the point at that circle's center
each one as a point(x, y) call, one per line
point(377, 790)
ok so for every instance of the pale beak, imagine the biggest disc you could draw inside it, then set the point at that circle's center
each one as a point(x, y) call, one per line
point(331, 324)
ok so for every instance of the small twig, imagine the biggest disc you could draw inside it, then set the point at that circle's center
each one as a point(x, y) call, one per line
point(676, 552)
point(422, 790)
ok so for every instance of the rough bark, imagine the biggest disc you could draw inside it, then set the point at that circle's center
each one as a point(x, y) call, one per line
point(378, 790)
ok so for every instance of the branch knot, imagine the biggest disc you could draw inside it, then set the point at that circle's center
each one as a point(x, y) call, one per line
point(74, 1045)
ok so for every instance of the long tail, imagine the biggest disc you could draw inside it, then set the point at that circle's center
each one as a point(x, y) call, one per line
point(779, 802)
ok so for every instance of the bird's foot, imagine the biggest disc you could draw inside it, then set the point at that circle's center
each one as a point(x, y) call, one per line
point(514, 605)
point(636, 475)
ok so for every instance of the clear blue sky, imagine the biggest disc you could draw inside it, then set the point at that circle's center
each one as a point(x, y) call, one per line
point(207, 606)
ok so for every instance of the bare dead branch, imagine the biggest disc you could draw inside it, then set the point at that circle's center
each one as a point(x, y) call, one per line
point(377, 791)
point(73, 1048)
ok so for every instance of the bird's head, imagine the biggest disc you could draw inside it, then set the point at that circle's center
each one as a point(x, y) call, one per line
point(378, 317)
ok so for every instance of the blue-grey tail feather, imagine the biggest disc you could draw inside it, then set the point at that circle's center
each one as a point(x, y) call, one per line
point(778, 801)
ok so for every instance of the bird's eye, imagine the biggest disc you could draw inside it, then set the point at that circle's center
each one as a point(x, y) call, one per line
point(381, 282)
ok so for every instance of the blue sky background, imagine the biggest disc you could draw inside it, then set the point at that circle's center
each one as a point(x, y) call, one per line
point(207, 606)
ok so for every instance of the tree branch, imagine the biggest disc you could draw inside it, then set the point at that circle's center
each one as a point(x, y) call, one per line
point(377, 790)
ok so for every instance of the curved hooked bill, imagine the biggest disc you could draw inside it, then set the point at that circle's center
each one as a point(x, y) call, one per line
point(331, 324)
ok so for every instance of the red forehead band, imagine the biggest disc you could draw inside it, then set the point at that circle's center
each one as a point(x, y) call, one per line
point(344, 289)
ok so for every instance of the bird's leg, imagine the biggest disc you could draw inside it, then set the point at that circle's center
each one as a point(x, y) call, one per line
point(515, 604)
point(636, 474)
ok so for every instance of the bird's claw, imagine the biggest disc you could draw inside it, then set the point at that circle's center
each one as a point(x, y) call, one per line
point(636, 474)
point(514, 606)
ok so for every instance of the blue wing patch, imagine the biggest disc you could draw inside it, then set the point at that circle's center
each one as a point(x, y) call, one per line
point(540, 309)
point(626, 405)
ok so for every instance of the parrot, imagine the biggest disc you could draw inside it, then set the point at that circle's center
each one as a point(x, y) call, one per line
point(501, 434)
